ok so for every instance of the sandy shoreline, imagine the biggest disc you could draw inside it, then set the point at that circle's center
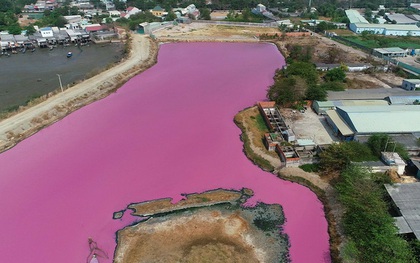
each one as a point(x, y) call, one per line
point(16, 128)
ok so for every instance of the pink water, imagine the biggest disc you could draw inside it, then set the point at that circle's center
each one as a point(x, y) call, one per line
point(167, 131)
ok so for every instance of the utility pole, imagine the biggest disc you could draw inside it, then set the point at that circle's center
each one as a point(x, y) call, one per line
point(61, 84)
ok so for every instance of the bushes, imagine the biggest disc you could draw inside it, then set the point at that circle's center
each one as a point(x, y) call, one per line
point(371, 230)
point(338, 157)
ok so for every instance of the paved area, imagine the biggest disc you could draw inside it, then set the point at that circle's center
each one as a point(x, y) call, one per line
point(309, 125)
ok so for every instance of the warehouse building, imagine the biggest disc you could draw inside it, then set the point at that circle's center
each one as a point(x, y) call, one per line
point(320, 107)
point(353, 122)
point(386, 29)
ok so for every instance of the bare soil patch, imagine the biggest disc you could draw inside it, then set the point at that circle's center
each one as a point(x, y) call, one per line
point(215, 233)
point(191, 200)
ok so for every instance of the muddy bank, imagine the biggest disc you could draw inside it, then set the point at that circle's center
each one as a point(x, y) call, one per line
point(216, 230)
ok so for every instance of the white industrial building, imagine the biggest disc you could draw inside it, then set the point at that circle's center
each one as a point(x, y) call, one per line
point(351, 122)
point(386, 29)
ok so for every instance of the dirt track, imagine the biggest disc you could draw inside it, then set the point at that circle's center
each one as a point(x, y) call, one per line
point(22, 125)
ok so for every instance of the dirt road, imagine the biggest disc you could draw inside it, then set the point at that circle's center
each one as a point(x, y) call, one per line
point(22, 125)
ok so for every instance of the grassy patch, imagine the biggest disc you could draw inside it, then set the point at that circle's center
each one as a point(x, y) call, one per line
point(260, 123)
point(255, 158)
point(376, 41)
point(310, 167)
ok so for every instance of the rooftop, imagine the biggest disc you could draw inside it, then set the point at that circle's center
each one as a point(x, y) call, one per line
point(267, 104)
point(340, 123)
point(401, 19)
point(382, 119)
point(390, 50)
point(402, 100)
point(414, 81)
point(407, 198)
point(389, 26)
point(355, 17)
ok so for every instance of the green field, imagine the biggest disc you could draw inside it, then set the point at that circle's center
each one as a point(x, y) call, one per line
point(376, 41)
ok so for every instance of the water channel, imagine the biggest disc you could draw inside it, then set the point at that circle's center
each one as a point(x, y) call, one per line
point(167, 131)
point(24, 76)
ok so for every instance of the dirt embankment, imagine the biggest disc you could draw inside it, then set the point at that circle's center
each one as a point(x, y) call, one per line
point(53, 107)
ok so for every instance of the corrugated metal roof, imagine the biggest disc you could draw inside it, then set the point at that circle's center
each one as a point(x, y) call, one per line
point(339, 123)
point(355, 17)
point(390, 50)
point(414, 81)
point(331, 103)
point(403, 227)
point(361, 102)
point(388, 26)
point(401, 19)
point(407, 199)
point(383, 119)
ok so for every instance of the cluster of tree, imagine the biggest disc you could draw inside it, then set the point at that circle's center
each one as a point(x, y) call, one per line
point(337, 157)
point(134, 20)
point(245, 16)
point(300, 79)
point(324, 26)
point(372, 235)
point(297, 82)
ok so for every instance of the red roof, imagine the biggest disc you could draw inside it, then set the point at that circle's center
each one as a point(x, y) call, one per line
point(267, 104)
point(130, 8)
point(93, 28)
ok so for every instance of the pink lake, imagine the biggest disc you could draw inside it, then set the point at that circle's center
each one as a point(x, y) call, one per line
point(166, 132)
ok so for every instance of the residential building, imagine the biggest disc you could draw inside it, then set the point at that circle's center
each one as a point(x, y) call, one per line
point(157, 11)
point(46, 32)
point(131, 11)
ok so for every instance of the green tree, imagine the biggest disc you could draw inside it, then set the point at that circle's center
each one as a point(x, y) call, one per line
point(287, 90)
point(338, 157)
point(29, 30)
point(366, 221)
point(171, 16)
point(335, 74)
point(299, 53)
point(14, 29)
point(303, 69)
point(205, 14)
point(384, 143)
point(316, 92)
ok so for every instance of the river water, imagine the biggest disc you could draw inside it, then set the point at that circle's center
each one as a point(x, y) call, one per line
point(30, 74)
point(166, 132)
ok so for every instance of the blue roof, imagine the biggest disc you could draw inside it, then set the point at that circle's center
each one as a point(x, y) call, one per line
point(46, 28)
